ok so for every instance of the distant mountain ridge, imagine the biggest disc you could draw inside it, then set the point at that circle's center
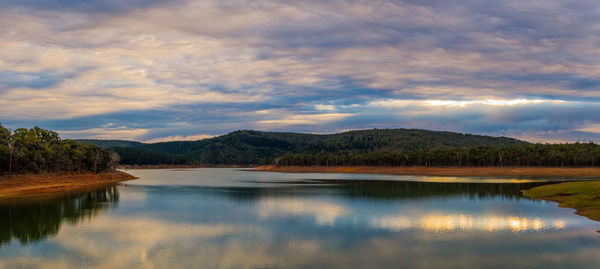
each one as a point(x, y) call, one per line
point(107, 144)
point(249, 147)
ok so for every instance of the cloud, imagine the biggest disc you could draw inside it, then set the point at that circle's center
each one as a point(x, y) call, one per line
point(32, 80)
point(324, 107)
point(179, 138)
point(64, 60)
point(313, 119)
point(79, 6)
point(105, 133)
point(591, 128)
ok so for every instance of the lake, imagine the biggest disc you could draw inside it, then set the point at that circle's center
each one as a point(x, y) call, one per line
point(232, 218)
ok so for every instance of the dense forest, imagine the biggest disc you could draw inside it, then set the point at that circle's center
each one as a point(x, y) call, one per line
point(38, 150)
point(576, 154)
point(255, 148)
point(107, 144)
point(41, 150)
point(378, 147)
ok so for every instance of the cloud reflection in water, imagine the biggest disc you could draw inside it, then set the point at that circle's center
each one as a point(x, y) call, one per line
point(189, 221)
point(438, 222)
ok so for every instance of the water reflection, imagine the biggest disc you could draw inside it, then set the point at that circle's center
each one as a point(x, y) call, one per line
point(407, 189)
point(254, 220)
point(34, 220)
point(325, 212)
point(435, 222)
point(374, 189)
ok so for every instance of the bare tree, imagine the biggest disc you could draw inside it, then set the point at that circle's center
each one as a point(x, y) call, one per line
point(500, 155)
point(96, 160)
point(114, 160)
point(11, 149)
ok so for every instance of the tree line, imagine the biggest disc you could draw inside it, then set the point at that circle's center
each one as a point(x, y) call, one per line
point(377, 147)
point(575, 154)
point(38, 150)
point(249, 147)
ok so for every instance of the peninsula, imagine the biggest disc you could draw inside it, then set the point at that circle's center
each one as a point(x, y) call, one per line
point(37, 161)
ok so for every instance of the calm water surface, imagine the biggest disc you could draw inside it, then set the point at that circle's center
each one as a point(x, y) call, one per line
point(230, 218)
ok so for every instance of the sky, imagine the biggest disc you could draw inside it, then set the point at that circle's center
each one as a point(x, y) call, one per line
point(151, 70)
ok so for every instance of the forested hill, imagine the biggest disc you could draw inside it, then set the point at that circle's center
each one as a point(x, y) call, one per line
point(107, 144)
point(254, 147)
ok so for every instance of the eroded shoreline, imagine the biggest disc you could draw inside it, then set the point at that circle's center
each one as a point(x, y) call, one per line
point(29, 185)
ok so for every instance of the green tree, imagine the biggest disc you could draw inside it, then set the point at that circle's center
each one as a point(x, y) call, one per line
point(38, 150)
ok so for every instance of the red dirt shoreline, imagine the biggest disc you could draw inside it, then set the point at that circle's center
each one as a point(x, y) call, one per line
point(180, 166)
point(442, 171)
point(41, 184)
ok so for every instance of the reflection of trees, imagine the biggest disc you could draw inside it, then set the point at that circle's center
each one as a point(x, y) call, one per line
point(405, 189)
point(31, 221)
point(380, 189)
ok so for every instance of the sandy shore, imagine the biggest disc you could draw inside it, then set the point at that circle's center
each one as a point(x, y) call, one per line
point(33, 185)
point(441, 171)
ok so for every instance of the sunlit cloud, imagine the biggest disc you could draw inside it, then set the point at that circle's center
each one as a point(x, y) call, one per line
point(102, 133)
point(592, 128)
point(462, 103)
point(179, 138)
point(313, 67)
point(304, 119)
point(324, 107)
point(491, 102)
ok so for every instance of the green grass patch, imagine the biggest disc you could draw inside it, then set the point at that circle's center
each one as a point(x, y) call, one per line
point(583, 196)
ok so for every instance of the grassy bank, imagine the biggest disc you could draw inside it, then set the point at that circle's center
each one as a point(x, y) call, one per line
point(40, 184)
point(441, 171)
point(583, 196)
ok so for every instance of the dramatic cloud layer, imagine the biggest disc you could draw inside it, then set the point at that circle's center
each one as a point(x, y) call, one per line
point(182, 69)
